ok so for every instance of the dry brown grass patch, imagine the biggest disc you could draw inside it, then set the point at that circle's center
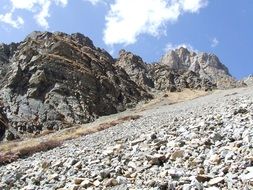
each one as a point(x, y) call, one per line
point(11, 151)
point(8, 157)
point(24, 150)
point(85, 131)
point(42, 146)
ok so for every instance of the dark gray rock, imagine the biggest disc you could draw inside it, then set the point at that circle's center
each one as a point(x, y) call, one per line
point(3, 125)
point(56, 80)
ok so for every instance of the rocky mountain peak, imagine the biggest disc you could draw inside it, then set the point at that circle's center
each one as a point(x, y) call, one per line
point(128, 59)
point(135, 68)
point(249, 80)
point(55, 80)
point(78, 38)
point(207, 65)
point(83, 40)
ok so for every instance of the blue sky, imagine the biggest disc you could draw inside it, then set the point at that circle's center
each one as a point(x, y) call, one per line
point(148, 28)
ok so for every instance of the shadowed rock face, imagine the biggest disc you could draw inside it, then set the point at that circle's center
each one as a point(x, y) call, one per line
point(3, 123)
point(55, 80)
point(2, 127)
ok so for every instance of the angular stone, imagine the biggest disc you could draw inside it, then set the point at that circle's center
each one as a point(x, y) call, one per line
point(85, 183)
point(215, 159)
point(203, 178)
point(137, 141)
point(177, 154)
point(216, 180)
point(111, 182)
point(78, 181)
point(53, 176)
point(156, 159)
point(96, 183)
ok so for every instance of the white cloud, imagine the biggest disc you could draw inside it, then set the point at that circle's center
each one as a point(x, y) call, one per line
point(40, 9)
point(193, 5)
point(127, 19)
point(62, 3)
point(8, 19)
point(94, 2)
point(170, 46)
point(27, 4)
point(42, 16)
point(214, 42)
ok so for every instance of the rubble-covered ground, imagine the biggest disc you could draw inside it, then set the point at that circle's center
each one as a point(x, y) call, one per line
point(206, 143)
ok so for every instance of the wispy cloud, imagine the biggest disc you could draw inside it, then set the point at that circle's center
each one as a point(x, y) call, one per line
point(94, 2)
point(214, 42)
point(170, 46)
point(127, 19)
point(39, 8)
point(8, 19)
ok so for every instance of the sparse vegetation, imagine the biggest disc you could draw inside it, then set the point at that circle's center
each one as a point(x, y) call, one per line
point(23, 151)
point(8, 157)
point(11, 151)
point(42, 146)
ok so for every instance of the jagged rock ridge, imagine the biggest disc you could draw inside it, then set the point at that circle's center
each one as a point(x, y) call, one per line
point(51, 81)
point(162, 76)
point(55, 80)
point(248, 80)
point(207, 66)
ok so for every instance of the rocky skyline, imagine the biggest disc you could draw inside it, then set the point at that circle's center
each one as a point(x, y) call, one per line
point(220, 27)
point(51, 81)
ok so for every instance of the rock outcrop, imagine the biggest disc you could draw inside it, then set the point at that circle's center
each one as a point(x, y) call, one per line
point(3, 123)
point(161, 76)
point(176, 80)
point(207, 66)
point(137, 70)
point(55, 80)
point(248, 80)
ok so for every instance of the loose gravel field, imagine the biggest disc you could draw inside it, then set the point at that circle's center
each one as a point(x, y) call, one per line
point(205, 143)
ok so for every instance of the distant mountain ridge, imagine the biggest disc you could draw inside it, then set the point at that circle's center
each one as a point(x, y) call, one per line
point(51, 81)
point(248, 80)
point(208, 66)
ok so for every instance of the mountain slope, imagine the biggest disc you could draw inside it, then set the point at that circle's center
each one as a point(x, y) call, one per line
point(52, 81)
point(205, 143)
point(55, 80)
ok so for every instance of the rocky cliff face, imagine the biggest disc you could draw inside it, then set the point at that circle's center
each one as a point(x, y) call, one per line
point(248, 80)
point(3, 125)
point(207, 66)
point(162, 76)
point(51, 81)
point(137, 70)
point(176, 80)
point(55, 80)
